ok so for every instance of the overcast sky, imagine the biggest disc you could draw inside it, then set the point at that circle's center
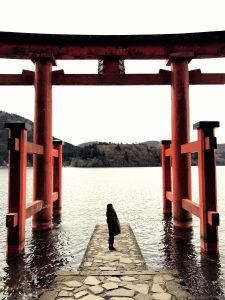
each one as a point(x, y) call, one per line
point(115, 114)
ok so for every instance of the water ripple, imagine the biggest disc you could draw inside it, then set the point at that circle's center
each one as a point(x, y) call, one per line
point(136, 195)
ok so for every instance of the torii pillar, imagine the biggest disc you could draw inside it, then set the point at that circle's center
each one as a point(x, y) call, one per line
point(43, 171)
point(181, 164)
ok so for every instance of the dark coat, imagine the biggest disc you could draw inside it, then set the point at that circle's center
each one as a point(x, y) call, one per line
point(112, 221)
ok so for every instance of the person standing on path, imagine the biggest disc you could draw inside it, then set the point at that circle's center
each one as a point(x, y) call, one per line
point(113, 224)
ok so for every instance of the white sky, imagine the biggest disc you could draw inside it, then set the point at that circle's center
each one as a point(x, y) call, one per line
point(115, 114)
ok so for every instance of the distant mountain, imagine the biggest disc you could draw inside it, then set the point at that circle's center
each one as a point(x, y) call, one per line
point(87, 144)
point(152, 144)
point(99, 154)
point(220, 154)
point(68, 149)
point(4, 118)
point(117, 155)
point(90, 154)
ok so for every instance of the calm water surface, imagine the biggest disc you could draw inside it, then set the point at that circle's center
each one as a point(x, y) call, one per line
point(136, 195)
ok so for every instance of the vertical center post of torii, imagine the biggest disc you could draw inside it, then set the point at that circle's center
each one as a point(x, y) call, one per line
point(43, 171)
point(181, 186)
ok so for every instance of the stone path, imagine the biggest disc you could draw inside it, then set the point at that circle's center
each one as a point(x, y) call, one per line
point(98, 258)
point(115, 275)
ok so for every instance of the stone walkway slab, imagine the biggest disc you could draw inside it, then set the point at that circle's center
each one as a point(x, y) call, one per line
point(98, 258)
point(115, 275)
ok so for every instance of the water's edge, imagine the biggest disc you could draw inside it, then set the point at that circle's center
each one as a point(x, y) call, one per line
point(136, 195)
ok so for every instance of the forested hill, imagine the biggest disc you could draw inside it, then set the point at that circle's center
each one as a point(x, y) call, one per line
point(126, 155)
point(99, 154)
point(91, 154)
point(6, 117)
point(116, 155)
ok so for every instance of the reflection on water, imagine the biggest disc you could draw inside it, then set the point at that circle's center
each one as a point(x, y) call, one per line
point(202, 279)
point(136, 196)
point(27, 275)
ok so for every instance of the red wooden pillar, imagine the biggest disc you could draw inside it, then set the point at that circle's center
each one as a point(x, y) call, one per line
point(166, 177)
point(181, 164)
point(43, 181)
point(17, 188)
point(57, 179)
point(209, 218)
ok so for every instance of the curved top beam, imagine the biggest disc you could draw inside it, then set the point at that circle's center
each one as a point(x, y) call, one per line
point(161, 46)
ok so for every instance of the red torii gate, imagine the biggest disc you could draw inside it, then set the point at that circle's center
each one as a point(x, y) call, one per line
point(111, 51)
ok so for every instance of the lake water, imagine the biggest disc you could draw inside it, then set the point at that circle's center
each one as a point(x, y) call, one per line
point(137, 197)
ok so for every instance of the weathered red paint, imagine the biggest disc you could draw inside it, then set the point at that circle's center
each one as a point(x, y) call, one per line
point(206, 210)
point(42, 164)
point(197, 77)
point(180, 135)
point(166, 177)
point(35, 149)
point(191, 206)
point(57, 179)
point(55, 195)
point(189, 147)
point(17, 190)
point(207, 187)
point(31, 209)
point(162, 78)
point(160, 46)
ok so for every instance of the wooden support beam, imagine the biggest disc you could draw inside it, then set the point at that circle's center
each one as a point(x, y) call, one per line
point(42, 165)
point(181, 164)
point(180, 55)
point(210, 143)
point(57, 179)
point(35, 149)
point(189, 147)
point(213, 218)
point(168, 152)
point(158, 46)
point(169, 196)
point(31, 209)
point(194, 208)
point(17, 189)
point(55, 196)
point(166, 176)
point(207, 187)
point(197, 77)
point(11, 220)
point(26, 78)
point(55, 153)
point(162, 78)
point(111, 65)
point(191, 206)
point(14, 144)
